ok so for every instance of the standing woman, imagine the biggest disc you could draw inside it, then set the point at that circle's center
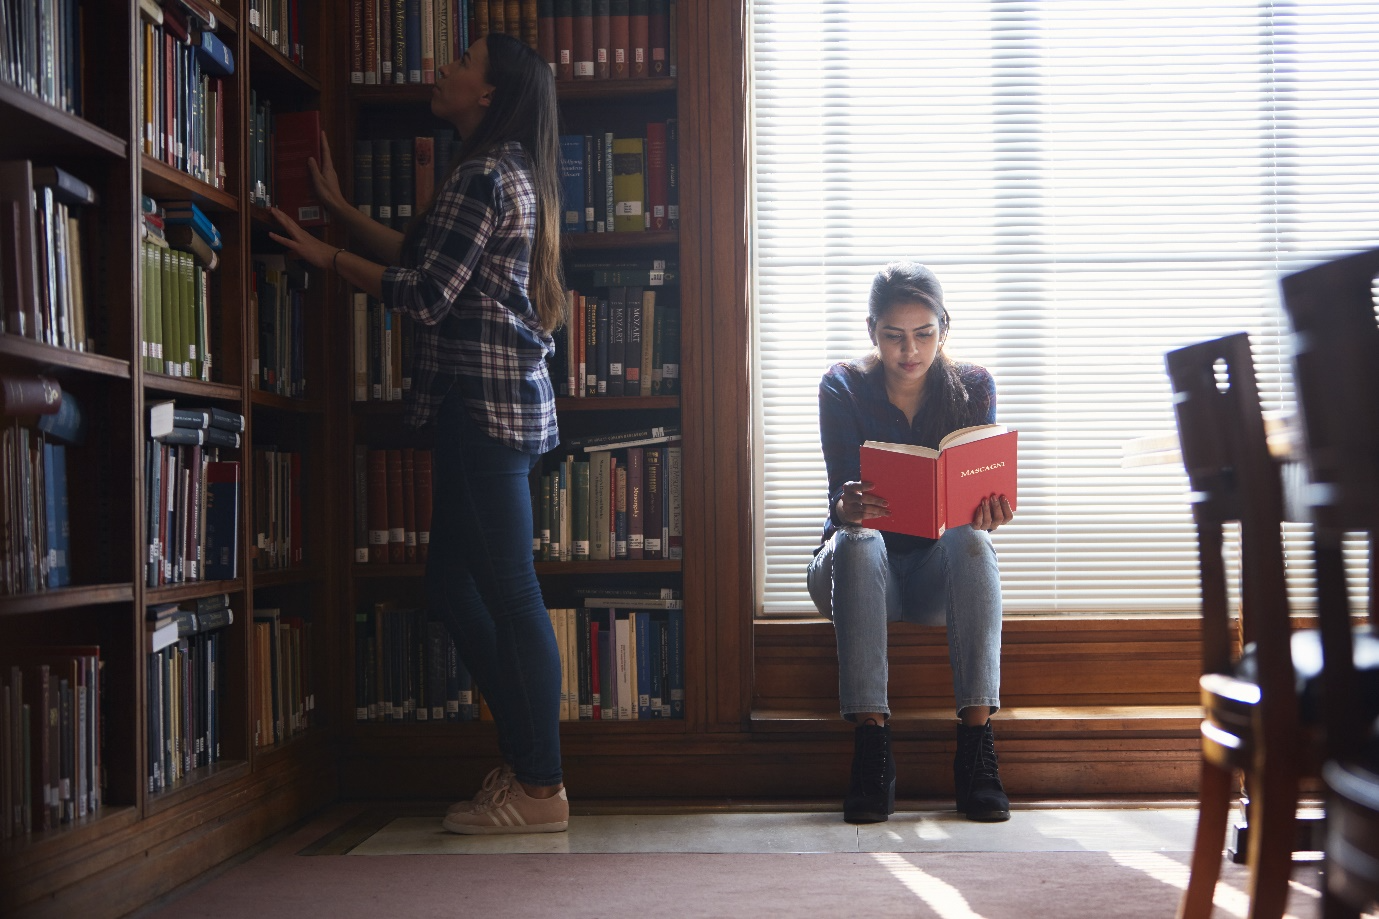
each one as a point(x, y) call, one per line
point(908, 391)
point(479, 270)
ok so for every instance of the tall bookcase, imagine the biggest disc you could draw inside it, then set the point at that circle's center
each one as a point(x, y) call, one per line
point(260, 782)
point(406, 757)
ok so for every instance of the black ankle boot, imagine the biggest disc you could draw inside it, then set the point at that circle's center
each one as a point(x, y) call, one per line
point(977, 777)
point(871, 792)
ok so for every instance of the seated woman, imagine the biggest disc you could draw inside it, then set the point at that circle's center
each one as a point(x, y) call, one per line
point(908, 391)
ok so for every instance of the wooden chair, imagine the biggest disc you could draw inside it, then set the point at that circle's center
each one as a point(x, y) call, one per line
point(1336, 371)
point(1250, 705)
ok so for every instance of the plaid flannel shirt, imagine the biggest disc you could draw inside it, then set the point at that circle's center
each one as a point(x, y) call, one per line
point(854, 408)
point(465, 283)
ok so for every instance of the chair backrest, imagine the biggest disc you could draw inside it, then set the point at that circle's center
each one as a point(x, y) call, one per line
point(1233, 478)
point(1336, 372)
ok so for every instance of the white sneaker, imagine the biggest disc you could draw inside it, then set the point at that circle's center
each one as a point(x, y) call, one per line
point(497, 777)
point(511, 810)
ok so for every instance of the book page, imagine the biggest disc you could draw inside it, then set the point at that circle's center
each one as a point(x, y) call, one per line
point(968, 435)
point(911, 449)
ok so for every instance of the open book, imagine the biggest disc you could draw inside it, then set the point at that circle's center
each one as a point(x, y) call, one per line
point(931, 490)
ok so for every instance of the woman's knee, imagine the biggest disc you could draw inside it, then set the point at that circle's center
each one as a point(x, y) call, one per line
point(858, 547)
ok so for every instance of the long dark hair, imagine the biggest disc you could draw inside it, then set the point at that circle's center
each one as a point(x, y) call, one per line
point(523, 108)
point(946, 405)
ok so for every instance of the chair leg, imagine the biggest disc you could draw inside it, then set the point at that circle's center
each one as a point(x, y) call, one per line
point(1273, 816)
point(1213, 808)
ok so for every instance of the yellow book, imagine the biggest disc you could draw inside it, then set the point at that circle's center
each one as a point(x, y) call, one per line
point(629, 186)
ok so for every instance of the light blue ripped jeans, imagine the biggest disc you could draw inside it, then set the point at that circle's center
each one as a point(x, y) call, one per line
point(857, 583)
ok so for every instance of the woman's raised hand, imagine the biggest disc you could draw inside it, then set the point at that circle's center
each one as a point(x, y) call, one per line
point(857, 503)
point(326, 181)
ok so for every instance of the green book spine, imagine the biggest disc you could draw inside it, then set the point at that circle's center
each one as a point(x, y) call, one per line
point(188, 325)
point(167, 307)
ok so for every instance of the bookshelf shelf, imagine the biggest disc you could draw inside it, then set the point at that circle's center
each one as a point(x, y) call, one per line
point(606, 90)
point(273, 71)
point(192, 590)
point(613, 566)
point(615, 403)
point(278, 577)
point(66, 598)
point(311, 738)
point(260, 399)
point(163, 181)
point(225, 22)
point(197, 389)
point(39, 356)
point(32, 122)
point(197, 782)
point(389, 571)
point(21, 853)
point(600, 242)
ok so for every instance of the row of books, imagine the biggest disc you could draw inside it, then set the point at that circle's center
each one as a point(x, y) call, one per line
point(611, 184)
point(43, 281)
point(620, 660)
point(41, 421)
point(279, 22)
point(394, 178)
point(185, 679)
point(192, 495)
point(180, 248)
point(383, 351)
point(404, 41)
point(41, 50)
point(280, 143)
point(184, 67)
point(612, 503)
point(279, 363)
point(284, 683)
point(621, 341)
point(278, 515)
point(392, 505)
point(51, 763)
point(406, 668)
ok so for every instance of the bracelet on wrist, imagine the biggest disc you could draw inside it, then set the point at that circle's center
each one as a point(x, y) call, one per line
point(335, 259)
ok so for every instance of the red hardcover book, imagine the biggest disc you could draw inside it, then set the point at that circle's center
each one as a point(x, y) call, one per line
point(512, 13)
point(603, 40)
point(397, 527)
point(545, 31)
point(482, 20)
point(297, 136)
point(931, 490)
point(653, 480)
point(370, 27)
point(659, 37)
point(424, 163)
point(530, 29)
point(636, 503)
point(657, 175)
point(356, 41)
point(423, 484)
point(639, 30)
point(497, 16)
point(564, 39)
point(409, 504)
point(584, 39)
point(378, 506)
point(620, 37)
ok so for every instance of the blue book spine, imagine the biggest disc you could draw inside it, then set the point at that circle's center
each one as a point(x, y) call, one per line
point(50, 513)
point(413, 41)
point(643, 666)
point(215, 56)
point(64, 529)
point(572, 183)
point(656, 666)
point(222, 502)
point(675, 648)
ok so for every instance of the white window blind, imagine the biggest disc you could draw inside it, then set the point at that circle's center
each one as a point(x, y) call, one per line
point(1094, 184)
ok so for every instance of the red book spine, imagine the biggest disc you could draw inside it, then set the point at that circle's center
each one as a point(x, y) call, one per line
point(297, 137)
point(482, 21)
point(636, 504)
point(639, 29)
point(603, 41)
point(512, 13)
point(497, 16)
point(659, 37)
point(531, 32)
point(657, 176)
point(424, 497)
point(545, 32)
point(584, 39)
point(409, 505)
point(564, 40)
point(356, 41)
point(369, 17)
point(397, 528)
point(378, 506)
point(620, 37)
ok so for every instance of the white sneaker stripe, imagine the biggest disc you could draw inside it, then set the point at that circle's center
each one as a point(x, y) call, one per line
point(515, 816)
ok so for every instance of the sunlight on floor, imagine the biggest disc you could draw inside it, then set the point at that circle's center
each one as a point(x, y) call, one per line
point(941, 897)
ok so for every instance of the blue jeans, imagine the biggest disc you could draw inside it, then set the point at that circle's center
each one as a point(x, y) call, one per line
point(857, 583)
point(481, 579)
